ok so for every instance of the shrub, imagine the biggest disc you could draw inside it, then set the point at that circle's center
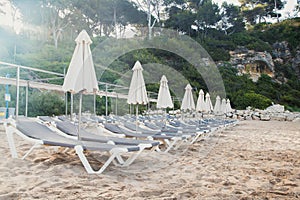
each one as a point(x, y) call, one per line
point(259, 46)
point(251, 42)
point(251, 99)
point(219, 54)
point(45, 103)
point(242, 39)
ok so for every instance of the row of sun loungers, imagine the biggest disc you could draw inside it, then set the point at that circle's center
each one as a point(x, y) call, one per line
point(40, 134)
point(125, 142)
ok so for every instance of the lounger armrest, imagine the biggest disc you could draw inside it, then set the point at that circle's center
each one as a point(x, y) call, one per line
point(119, 150)
point(143, 146)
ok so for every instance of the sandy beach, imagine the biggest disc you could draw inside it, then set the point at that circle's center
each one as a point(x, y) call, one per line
point(253, 160)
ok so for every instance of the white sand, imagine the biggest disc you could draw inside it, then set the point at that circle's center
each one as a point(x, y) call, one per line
point(254, 160)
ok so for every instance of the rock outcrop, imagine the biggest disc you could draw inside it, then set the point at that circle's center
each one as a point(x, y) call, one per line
point(281, 51)
point(296, 62)
point(252, 62)
point(257, 63)
point(282, 54)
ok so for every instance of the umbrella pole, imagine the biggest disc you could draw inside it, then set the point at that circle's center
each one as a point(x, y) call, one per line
point(137, 117)
point(95, 104)
point(71, 112)
point(181, 115)
point(165, 116)
point(26, 100)
point(18, 92)
point(106, 103)
point(79, 115)
point(66, 104)
point(116, 105)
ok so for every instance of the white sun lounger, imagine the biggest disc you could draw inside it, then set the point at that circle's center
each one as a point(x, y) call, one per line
point(70, 129)
point(40, 134)
point(67, 127)
point(171, 141)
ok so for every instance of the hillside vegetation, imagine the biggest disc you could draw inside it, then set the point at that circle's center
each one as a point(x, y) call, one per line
point(44, 52)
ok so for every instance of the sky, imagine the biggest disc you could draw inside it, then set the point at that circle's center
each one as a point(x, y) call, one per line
point(289, 6)
point(236, 2)
point(7, 19)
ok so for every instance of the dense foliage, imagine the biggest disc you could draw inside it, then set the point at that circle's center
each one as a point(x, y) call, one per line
point(49, 44)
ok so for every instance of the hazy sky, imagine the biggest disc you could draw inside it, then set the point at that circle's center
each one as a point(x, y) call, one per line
point(289, 6)
point(228, 1)
point(7, 19)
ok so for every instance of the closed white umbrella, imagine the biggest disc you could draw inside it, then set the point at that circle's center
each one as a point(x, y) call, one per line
point(164, 99)
point(137, 91)
point(228, 106)
point(81, 76)
point(208, 104)
point(200, 102)
point(223, 106)
point(217, 108)
point(188, 100)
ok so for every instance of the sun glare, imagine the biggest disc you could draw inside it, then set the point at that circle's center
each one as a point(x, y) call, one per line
point(11, 18)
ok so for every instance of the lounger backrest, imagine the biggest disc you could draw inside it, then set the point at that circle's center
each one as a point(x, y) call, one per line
point(152, 126)
point(112, 127)
point(46, 119)
point(70, 128)
point(39, 131)
point(130, 126)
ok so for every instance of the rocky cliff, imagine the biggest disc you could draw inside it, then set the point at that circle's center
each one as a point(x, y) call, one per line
point(257, 63)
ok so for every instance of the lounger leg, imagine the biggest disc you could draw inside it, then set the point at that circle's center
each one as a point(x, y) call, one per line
point(171, 144)
point(179, 144)
point(196, 137)
point(131, 159)
point(114, 153)
point(10, 138)
point(30, 150)
point(120, 160)
point(11, 142)
point(134, 156)
point(83, 159)
point(106, 164)
point(118, 157)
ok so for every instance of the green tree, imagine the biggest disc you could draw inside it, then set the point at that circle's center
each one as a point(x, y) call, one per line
point(243, 100)
point(207, 16)
point(106, 16)
point(152, 8)
point(254, 10)
point(65, 18)
point(54, 15)
point(180, 20)
point(45, 103)
point(267, 87)
point(231, 19)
